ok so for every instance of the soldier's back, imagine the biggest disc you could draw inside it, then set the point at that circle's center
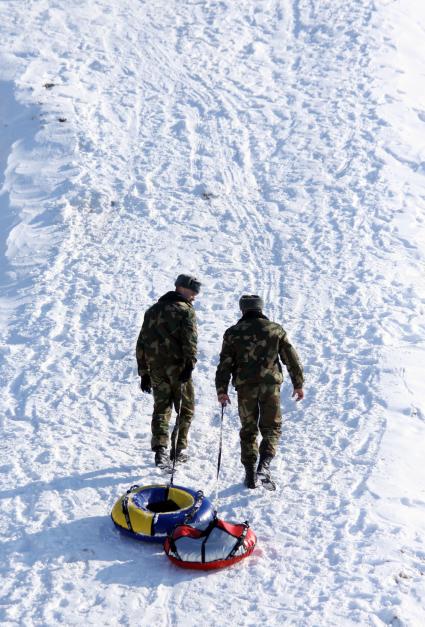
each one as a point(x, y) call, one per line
point(255, 344)
point(161, 329)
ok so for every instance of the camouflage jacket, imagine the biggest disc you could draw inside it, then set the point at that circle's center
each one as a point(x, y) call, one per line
point(251, 351)
point(168, 336)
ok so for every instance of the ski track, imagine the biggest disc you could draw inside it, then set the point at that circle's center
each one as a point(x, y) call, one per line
point(237, 142)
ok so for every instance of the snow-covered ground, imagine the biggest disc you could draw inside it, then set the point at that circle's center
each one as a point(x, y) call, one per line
point(274, 146)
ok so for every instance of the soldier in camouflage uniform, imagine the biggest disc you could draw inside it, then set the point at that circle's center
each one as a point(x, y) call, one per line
point(250, 355)
point(166, 355)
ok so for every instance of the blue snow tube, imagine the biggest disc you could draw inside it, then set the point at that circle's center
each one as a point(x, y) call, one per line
point(151, 512)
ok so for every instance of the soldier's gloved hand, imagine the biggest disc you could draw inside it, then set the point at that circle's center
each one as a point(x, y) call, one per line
point(145, 384)
point(298, 393)
point(223, 399)
point(185, 374)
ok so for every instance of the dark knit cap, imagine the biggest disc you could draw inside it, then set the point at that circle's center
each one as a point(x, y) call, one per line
point(188, 281)
point(250, 301)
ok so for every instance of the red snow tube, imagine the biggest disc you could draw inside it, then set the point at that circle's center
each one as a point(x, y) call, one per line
point(220, 544)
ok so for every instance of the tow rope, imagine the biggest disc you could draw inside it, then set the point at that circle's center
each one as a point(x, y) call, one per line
point(175, 435)
point(220, 449)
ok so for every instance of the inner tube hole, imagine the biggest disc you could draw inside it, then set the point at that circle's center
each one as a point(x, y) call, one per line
point(160, 507)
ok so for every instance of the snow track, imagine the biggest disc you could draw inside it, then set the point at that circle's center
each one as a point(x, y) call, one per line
point(257, 145)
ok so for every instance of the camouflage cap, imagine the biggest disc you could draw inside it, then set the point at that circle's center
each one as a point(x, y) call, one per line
point(250, 301)
point(188, 281)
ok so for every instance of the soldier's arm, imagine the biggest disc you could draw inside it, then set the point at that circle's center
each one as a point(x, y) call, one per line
point(225, 366)
point(142, 366)
point(289, 357)
point(189, 338)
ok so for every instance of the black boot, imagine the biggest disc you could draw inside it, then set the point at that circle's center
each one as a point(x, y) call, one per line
point(251, 480)
point(264, 465)
point(181, 456)
point(161, 457)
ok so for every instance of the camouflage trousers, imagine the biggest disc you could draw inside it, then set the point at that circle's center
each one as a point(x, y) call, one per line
point(168, 392)
point(259, 411)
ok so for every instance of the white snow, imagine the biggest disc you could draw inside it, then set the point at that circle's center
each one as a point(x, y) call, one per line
point(275, 146)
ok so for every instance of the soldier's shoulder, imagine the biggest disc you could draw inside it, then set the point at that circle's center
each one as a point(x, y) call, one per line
point(183, 310)
point(174, 304)
point(187, 308)
point(150, 310)
point(231, 331)
point(180, 304)
point(274, 327)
